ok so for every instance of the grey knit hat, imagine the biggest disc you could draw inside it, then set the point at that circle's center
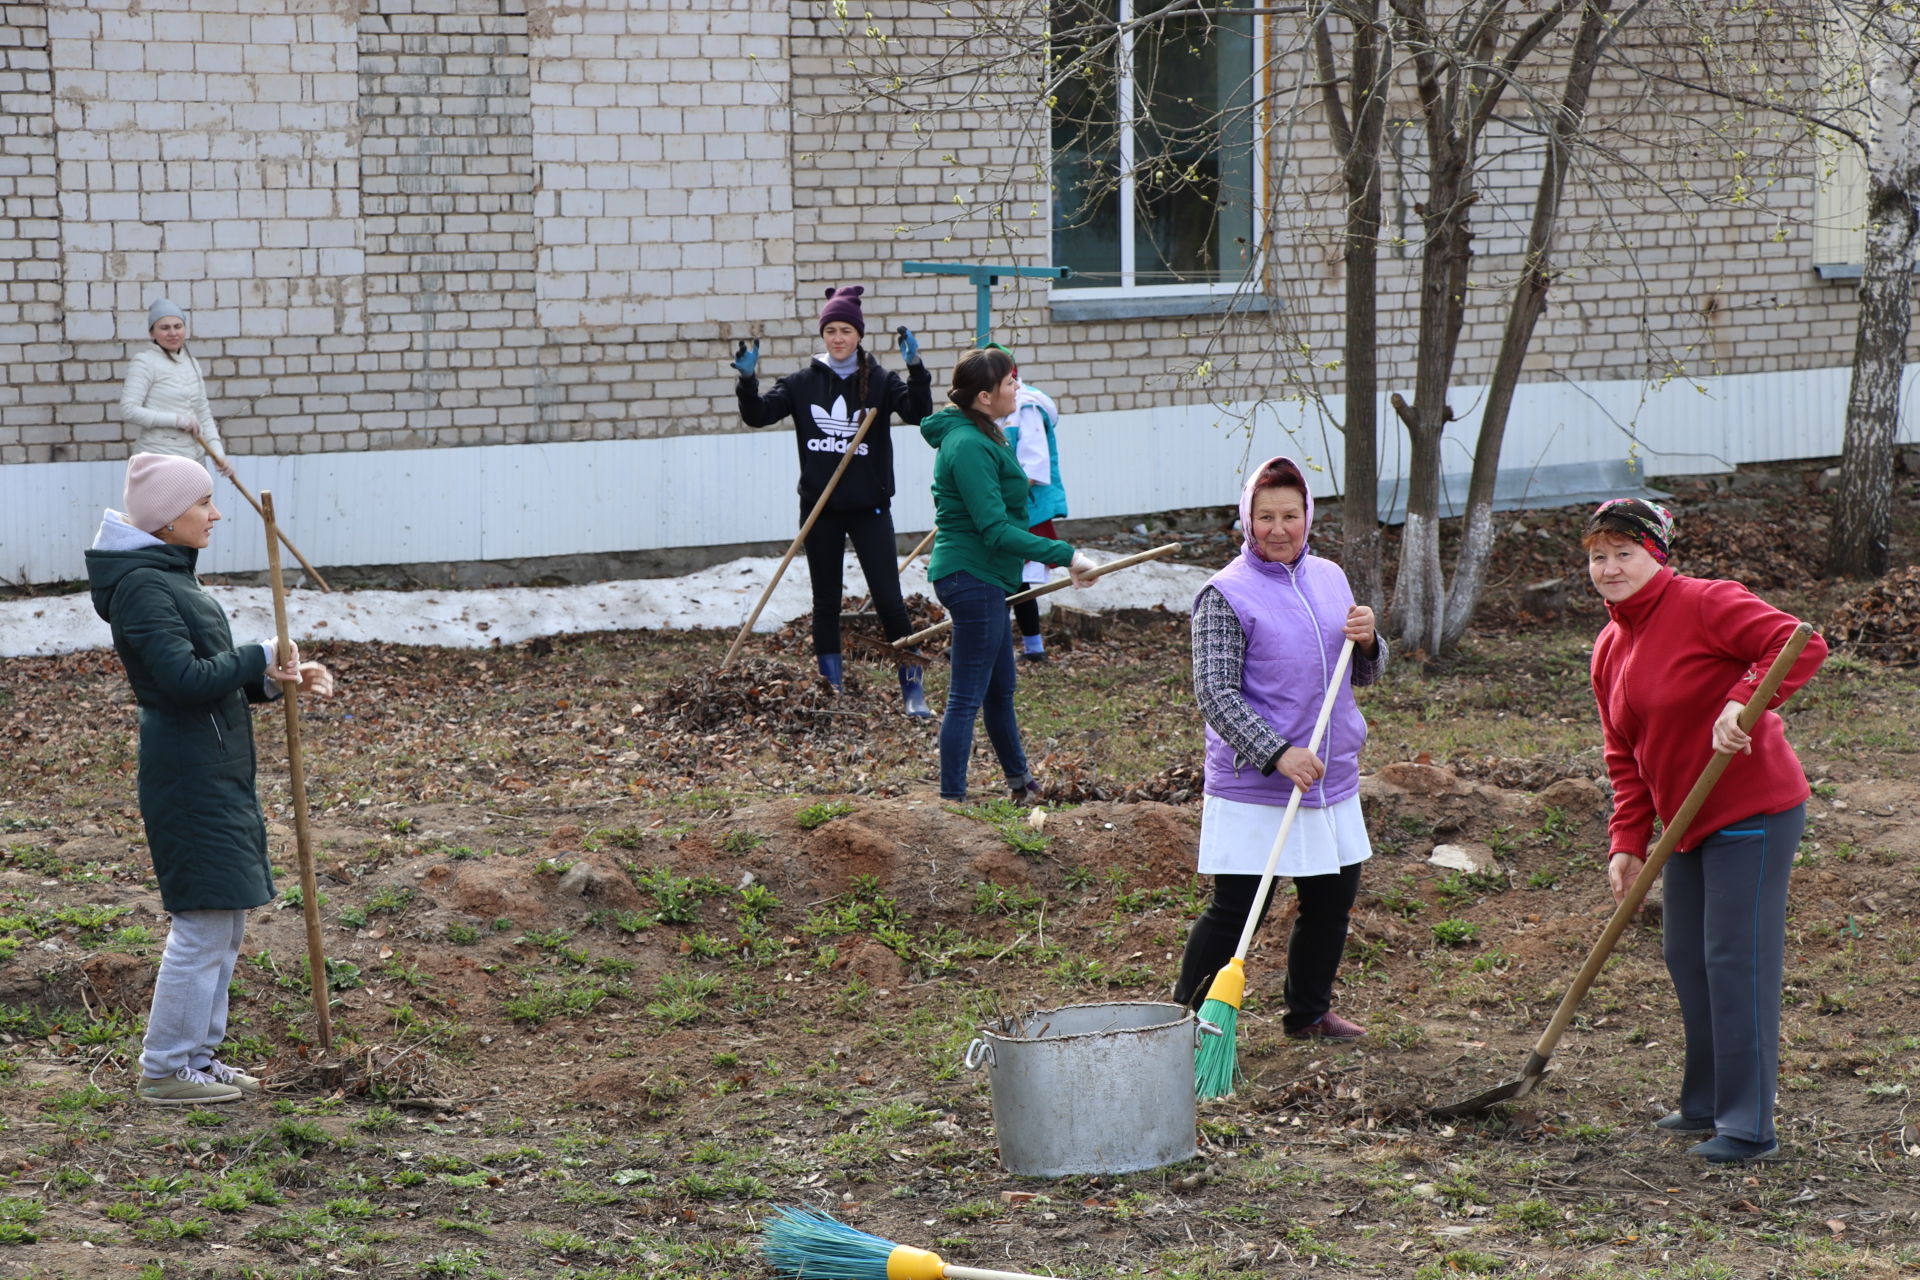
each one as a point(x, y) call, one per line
point(160, 310)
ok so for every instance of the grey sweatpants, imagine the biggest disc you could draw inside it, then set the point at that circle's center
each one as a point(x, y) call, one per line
point(189, 1016)
point(1725, 929)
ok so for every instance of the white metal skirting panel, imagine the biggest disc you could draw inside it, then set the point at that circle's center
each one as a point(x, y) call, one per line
point(515, 501)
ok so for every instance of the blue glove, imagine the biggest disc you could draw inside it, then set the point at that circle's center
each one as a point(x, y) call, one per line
point(747, 358)
point(909, 345)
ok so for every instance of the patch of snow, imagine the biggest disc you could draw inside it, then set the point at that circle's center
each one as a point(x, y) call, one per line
point(720, 597)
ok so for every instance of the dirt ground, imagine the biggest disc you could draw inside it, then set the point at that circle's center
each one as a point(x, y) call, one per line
point(623, 953)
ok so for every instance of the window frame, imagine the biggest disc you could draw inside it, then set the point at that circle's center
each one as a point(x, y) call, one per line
point(1256, 266)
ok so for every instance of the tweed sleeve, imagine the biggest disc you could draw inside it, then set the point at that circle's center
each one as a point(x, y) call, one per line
point(1219, 656)
point(1368, 670)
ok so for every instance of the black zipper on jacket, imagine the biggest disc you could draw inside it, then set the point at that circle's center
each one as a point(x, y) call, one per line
point(219, 736)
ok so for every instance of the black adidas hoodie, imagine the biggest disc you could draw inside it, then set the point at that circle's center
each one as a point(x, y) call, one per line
point(826, 411)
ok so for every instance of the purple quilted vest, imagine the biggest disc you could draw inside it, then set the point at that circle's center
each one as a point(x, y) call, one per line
point(1293, 617)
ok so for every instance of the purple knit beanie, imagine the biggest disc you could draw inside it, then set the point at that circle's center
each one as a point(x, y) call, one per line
point(844, 304)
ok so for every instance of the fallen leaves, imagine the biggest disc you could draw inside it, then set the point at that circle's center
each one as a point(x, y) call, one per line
point(1884, 622)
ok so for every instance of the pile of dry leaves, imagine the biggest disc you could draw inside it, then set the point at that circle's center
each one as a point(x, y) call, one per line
point(860, 633)
point(760, 698)
point(1884, 623)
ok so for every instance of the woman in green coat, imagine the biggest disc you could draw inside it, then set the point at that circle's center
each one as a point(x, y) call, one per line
point(205, 832)
point(980, 510)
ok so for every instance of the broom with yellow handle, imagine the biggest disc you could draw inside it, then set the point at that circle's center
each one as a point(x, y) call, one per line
point(1214, 1062)
point(809, 1245)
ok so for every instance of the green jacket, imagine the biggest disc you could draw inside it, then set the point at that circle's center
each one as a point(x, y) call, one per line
point(205, 832)
point(980, 506)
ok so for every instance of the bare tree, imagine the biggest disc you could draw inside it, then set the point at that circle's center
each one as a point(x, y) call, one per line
point(1849, 86)
point(1861, 530)
point(1358, 125)
point(1461, 62)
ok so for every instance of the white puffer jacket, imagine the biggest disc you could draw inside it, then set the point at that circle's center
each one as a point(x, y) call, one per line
point(157, 391)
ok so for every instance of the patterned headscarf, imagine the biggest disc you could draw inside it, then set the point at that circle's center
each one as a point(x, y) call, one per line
point(1648, 523)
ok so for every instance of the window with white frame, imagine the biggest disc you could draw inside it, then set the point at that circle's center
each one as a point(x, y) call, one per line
point(1839, 230)
point(1154, 178)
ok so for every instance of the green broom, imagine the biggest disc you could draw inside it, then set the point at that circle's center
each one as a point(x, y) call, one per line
point(1215, 1060)
point(808, 1244)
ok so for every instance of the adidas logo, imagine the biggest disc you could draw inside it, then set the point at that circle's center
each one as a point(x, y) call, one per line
point(835, 421)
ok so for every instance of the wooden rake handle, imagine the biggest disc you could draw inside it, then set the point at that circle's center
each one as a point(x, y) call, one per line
point(853, 447)
point(1048, 588)
point(922, 546)
point(297, 773)
point(1670, 838)
point(220, 460)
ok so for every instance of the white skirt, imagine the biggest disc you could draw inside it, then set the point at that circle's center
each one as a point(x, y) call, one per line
point(1236, 838)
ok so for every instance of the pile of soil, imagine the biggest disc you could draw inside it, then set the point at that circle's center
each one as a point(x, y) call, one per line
point(1069, 778)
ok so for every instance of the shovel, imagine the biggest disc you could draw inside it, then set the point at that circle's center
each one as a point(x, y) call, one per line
point(1536, 1069)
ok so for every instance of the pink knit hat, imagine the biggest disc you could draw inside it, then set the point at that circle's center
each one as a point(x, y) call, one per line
point(160, 487)
point(844, 304)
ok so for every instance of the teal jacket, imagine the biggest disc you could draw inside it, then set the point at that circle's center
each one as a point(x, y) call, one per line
point(205, 833)
point(980, 506)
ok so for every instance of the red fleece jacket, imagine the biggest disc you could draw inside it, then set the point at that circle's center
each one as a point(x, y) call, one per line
point(1677, 651)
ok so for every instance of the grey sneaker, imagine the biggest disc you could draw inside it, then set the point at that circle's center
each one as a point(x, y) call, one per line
point(239, 1079)
point(185, 1088)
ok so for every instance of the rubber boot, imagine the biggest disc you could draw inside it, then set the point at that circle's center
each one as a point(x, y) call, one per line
point(830, 670)
point(913, 694)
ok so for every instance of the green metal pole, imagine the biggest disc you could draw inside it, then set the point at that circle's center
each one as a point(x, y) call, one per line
point(982, 309)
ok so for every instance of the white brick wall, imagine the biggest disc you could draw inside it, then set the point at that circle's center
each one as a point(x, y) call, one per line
point(649, 208)
point(404, 224)
point(196, 161)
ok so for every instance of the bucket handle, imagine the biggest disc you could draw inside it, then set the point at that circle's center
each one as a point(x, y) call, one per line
point(1201, 1027)
point(977, 1052)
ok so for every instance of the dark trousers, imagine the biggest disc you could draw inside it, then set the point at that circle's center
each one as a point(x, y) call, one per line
point(1724, 927)
point(1313, 952)
point(981, 680)
point(1026, 615)
point(872, 534)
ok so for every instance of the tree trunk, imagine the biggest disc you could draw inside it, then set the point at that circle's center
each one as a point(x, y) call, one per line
point(1523, 314)
point(1360, 166)
point(1419, 593)
point(1862, 525)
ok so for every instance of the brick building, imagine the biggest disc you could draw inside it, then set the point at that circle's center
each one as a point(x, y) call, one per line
point(464, 275)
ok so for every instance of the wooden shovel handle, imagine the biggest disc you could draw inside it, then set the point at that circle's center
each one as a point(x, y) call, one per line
point(1670, 839)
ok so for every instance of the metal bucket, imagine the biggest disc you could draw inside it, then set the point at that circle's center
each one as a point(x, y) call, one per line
point(1092, 1088)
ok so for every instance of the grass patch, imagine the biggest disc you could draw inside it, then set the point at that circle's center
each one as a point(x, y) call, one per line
point(821, 813)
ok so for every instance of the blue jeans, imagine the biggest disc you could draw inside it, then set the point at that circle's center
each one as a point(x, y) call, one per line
point(982, 679)
point(1725, 926)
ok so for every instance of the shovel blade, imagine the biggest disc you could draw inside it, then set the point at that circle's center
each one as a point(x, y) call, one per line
point(1511, 1091)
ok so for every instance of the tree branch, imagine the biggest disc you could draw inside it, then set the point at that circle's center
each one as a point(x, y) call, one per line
point(1336, 115)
